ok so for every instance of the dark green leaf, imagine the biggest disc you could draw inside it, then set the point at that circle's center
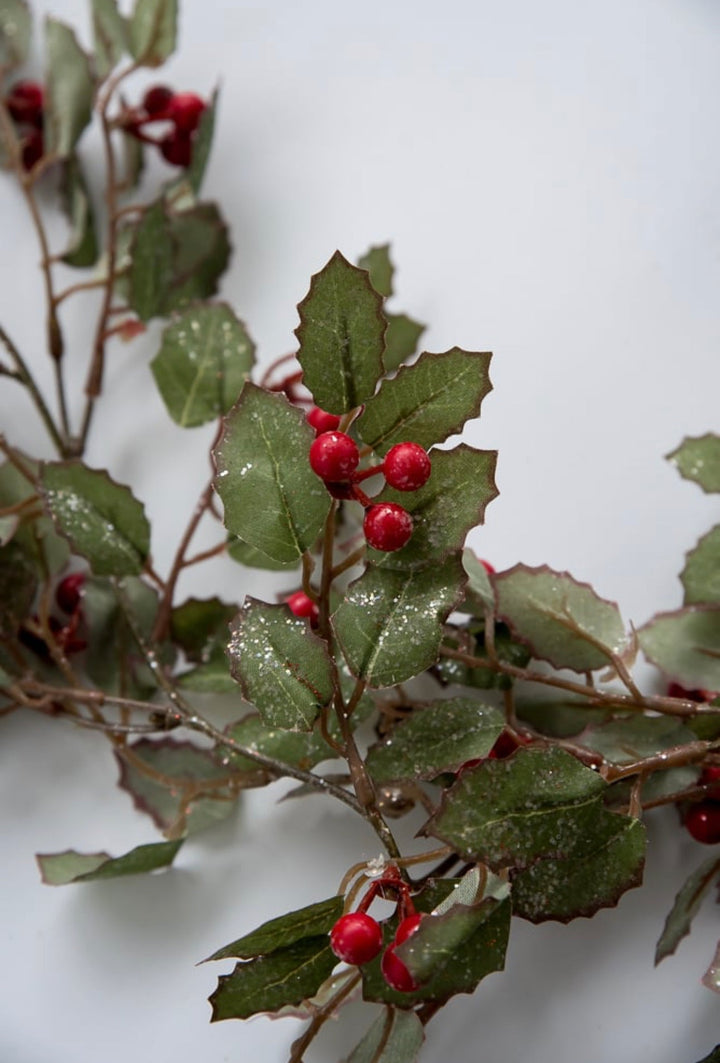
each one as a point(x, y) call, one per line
point(151, 263)
point(563, 621)
point(192, 176)
point(201, 255)
point(251, 557)
point(426, 402)
point(113, 660)
point(59, 869)
point(714, 1056)
point(698, 458)
point(212, 677)
point(390, 624)
point(685, 907)
point(399, 1032)
point(68, 89)
point(83, 249)
point(632, 738)
point(273, 500)
point(153, 31)
point(558, 715)
point(15, 33)
point(402, 337)
point(200, 626)
point(701, 575)
point(377, 262)
point(284, 669)
point(35, 533)
point(133, 154)
point(308, 922)
point(686, 645)
point(439, 937)
point(341, 336)
point(268, 983)
point(441, 736)
point(100, 518)
point(110, 35)
point(18, 583)
point(301, 749)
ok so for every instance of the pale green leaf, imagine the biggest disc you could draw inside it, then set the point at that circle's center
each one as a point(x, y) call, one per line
point(698, 458)
point(110, 35)
point(59, 869)
point(685, 907)
point(376, 261)
point(686, 645)
point(402, 337)
point(153, 31)
point(68, 89)
point(83, 249)
point(396, 1035)
point(15, 33)
point(701, 575)
point(623, 741)
point(151, 263)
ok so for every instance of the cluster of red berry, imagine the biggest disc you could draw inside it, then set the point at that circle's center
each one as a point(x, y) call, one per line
point(357, 938)
point(334, 457)
point(66, 633)
point(24, 103)
point(182, 110)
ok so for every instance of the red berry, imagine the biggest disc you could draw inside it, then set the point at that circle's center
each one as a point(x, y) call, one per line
point(490, 569)
point(69, 592)
point(407, 928)
point(406, 466)
point(176, 148)
point(387, 526)
point(322, 421)
point(25, 102)
point(157, 100)
point(334, 456)
point(356, 938)
point(303, 606)
point(703, 822)
point(710, 777)
point(677, 691)
point(396, 973)
point(504, 746)
point(33, 149)
point(185, 110)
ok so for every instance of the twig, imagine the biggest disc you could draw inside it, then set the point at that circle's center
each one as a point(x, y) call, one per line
point(25, 377)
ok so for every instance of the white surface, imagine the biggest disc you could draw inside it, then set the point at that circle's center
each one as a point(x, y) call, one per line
point(548, 175)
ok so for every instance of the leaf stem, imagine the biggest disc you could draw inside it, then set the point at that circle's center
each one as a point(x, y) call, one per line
point(25, 377)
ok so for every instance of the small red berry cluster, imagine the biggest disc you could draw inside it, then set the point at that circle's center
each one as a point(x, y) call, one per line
point(182, 110)
point(357, 938)
point(66, 633)
point(702, 819)
point(334, 457)
point(25, 103)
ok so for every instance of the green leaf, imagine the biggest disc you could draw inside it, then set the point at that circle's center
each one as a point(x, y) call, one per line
point(18, 584)
point(202, 143)
point(401, 340)
point(390, 623)
point(308, 922)
point(153, 31)
point(685, 645)
point(436, 942)
point(441, 736)
point(478, 578)
point(35, 533)
point(205, 358)
point(151, 263)
point(609, 862)
point(341, 336)
point(100, 518)
point(284, 669)
point(268, 983)
point(626, 740)
point(698, 458)
point(59, 869)
point(251, 557)
point(201, 255)
point(110, 35)
point(212, 677)
point(563, 621)
point(685, 907)
point(300, 749)
point(174, 807)
point(510, 813)
point(273, 500)
point(426, 402)
point(133, 155)
point(558, 715)
point(201, 626)
point(68, 89)
point(83, 250)
point(113, 660)
point(15, 33)
point(376, 261)
point(701, 575)
point(714, 1056)
point(401, 1035)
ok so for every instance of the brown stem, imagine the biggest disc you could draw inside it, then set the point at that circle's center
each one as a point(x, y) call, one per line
point(25, 377)
point(205, 555)
point(677, 757)
point(352, 559)
point(324, 1013)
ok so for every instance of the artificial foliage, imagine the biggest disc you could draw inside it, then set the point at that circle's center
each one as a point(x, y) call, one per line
point(387, 679)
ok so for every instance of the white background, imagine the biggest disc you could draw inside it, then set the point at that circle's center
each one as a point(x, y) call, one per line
point(548, 175)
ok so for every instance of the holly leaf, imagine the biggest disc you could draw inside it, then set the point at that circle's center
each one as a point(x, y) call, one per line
point(273, 500)
point(376, 261)
point(308, 922)
point(153, 31)
point(113, 660)
point(251, 557)
point(341, 336)
point(441, 736)
point(685, 907)
point(685, 645)
point(18, 584)
point(390, 623)
point(35, 532)
point(201, 254)
point(68, 89)
point(285, 977)
point(701, 575)
point(626, 740)
point(212, 677)
point(83, 249)
point(100, 518)
point(396, 1035)
point(15, 33)
point(436, 942)
point(402, 337)
point(151, 262)
point(426, 402)
point(698, 459)
point(110, 35)
point(284, 669)
point(562, 621)
point(478, 578)
point(204, 359)
point(60, 869)
point(558, 715)
point(201, 626)
point(300, 749)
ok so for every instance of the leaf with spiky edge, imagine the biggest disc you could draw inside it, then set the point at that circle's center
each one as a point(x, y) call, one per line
point(389, 625)
point(396, 1035)
point(308, 922)
point(454, 500)
point(284, 977)
point(99, 517)
point(205, 357)
point(110, 35)
point(685, 645)
point(284, 669)
point(625, 740)
point(18, 583)
point(83, 250)
point(301, 749)
point(200, 626)
point(377, 262)
point(341, 336)
point(251, 557)
point(68, 89)
point(562, 620)
point(510, 813)
point(701, 574)
point(15, 33)
point(685, 907)
point(273, 500)
point(153, 31)
point(441, 736)
point(427, 401)
point(401, 340)
point(201, 254)
point(60, 869)
point(609, 862)
point(698, 459)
